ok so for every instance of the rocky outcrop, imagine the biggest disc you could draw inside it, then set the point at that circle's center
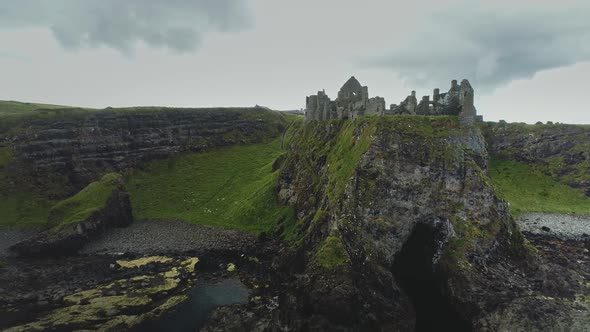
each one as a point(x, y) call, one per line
point(101, 205)
point(398, 229)
point(559, 150)
point(82, 144)
point(413, 214)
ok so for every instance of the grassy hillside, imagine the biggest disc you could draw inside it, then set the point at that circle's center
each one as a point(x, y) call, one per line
point(232, 187)
point(528, 190)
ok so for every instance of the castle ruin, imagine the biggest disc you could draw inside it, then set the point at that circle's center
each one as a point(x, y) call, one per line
point(353, 101)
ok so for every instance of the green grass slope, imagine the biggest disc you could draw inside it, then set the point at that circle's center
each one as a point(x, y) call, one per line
point(528, 190)
point(233, 187)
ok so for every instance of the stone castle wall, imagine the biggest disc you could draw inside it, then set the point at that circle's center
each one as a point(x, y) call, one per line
point(353, 101)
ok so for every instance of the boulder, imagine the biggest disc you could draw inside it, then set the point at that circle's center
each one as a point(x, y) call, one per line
point(76, 220)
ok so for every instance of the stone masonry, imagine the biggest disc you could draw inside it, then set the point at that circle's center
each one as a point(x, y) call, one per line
point(353, 101)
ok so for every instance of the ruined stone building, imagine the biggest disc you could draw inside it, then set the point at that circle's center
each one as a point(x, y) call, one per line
point(353, 101)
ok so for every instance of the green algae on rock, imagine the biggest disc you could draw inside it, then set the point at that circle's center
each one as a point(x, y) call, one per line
point(123, 303)
point(143, 261)
point(332, 253)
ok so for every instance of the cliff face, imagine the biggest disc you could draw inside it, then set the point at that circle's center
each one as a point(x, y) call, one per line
point(399, 229)
point(81, 144)
point(559, 150)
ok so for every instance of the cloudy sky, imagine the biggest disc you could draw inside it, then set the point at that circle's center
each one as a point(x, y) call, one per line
point(527, 60)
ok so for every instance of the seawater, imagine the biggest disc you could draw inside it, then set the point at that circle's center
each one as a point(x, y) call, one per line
point(203, 299)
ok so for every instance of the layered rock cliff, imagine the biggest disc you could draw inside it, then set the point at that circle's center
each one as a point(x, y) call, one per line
point(82, 144)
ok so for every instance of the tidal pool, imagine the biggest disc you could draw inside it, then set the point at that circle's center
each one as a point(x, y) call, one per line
point(203, 298)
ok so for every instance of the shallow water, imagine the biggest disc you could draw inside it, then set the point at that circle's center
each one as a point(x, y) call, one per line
point(203, 298)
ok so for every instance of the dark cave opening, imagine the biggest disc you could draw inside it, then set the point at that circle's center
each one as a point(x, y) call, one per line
point(414, 273)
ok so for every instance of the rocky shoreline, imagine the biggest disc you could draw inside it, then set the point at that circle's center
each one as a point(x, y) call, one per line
point(169, 236)
point(12, 236)
point(562, 226)
point(560, 289)
point(36, 294)
point(86, 292)
point(126, 277)
point(149, 237)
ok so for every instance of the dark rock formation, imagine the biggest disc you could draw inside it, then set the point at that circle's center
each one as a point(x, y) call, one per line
point(416, 215)
point(67, 237)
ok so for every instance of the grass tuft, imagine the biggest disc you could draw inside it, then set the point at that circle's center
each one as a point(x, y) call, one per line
point(332, 253)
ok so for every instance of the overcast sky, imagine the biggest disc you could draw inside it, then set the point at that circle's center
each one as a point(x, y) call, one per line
point(527, 60)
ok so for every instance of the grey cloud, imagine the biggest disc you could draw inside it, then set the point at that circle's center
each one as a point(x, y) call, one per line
point(489, 46)
point(13, 56)
point(175, 24)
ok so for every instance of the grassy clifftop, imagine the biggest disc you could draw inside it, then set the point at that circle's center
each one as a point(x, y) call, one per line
point(8, 107)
